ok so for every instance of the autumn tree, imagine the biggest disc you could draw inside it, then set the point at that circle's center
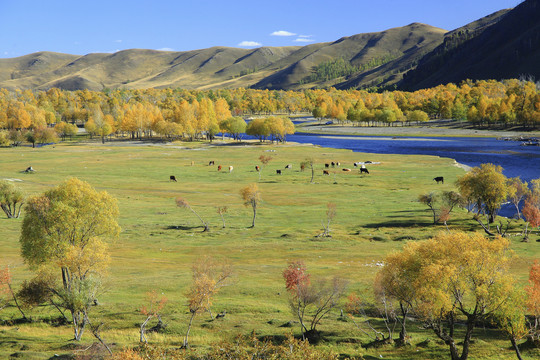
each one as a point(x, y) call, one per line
point(182, 203)
point(311, 299)
point(252, 197)
point(235, 126)
point(517, 192)
point(6, 291)
point(510, 318)
point(486, 188)
point(441, 204)
point(209, 275)
point(152, 308)
point(309, 163)
point(64, 129)
point(533, 300)
point(456, 277)
point(221, 210)
point(264, 159)
point(65, 229)
point(11, 199)
point(330, 215)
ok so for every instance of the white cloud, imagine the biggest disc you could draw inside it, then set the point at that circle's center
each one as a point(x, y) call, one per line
point(303, 40)
point(282, 33)
point(305, 36)
point(249, 43)
point(166, 49)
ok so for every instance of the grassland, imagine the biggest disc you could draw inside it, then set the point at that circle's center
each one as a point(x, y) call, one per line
point(159, 241)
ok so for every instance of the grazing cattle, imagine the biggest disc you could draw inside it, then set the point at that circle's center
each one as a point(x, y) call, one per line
point(327, 165)
point(29, 169)
point(211, 163)
point(338, 163)
point(367, 162)
point(289, 166)
point(325, 172)
point(439, 179)
point(219, 168)
point(230, 169)
point(364, 170)
point(257, 168)
point(172, 178)
point(333, 164)
point(346, 169)
point(355, 164)
point(278, 172)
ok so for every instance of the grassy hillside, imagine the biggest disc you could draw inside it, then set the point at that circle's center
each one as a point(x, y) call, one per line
point(502, 46)
point(376, 214)
point(217, 67)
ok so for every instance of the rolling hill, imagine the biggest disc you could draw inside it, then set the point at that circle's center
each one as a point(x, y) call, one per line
point(218, 67)
point(505, 44)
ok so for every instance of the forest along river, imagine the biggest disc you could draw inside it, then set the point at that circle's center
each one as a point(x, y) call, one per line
point(514, 158)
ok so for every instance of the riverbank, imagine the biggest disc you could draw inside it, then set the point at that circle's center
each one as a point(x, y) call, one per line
point(438, 128)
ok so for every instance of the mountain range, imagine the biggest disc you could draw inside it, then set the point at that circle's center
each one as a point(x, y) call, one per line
point(505, 44)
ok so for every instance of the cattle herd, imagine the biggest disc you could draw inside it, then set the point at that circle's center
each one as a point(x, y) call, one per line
point(333, 164)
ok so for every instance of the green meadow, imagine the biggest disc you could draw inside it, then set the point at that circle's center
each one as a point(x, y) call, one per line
point(376, 214)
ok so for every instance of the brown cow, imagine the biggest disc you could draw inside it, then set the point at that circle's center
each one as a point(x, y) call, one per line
point(346, 169)
point(257, 168)
point(172, 178)
point(219, 168)
point(325, 172)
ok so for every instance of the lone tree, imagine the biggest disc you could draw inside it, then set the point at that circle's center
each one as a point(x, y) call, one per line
point(330, 215)
point(252, 197)
point(182, 203)
point(209, 275)
point(155, 305)
point(264, 159)
point(64, 229)
point(485, 187)
point(11, 199)
point(311, 300)
point(454, 277)
point(308, 163)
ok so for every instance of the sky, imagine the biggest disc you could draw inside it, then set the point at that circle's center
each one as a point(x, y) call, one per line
point(98, 26)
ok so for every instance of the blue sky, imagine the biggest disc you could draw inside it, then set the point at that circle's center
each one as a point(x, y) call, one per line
point(89, 26)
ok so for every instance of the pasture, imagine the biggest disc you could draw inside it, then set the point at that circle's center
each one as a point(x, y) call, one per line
point(376, 214)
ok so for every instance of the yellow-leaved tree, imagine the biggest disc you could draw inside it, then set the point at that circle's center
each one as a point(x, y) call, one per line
point(209, 275)
point(65, 230)
point(453, 277)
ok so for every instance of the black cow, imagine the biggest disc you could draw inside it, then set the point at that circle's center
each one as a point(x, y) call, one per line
point(439, 179)
point(326, 165)
point(364, 170)
point(211, 163)
point(325, 172)
point(278, 172)
point(172, 178)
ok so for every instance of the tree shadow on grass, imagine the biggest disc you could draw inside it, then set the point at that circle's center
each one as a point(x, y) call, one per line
point(182, 227)
point(403, 223)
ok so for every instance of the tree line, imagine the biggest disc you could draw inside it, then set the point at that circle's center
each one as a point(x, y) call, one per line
point(43, 116)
